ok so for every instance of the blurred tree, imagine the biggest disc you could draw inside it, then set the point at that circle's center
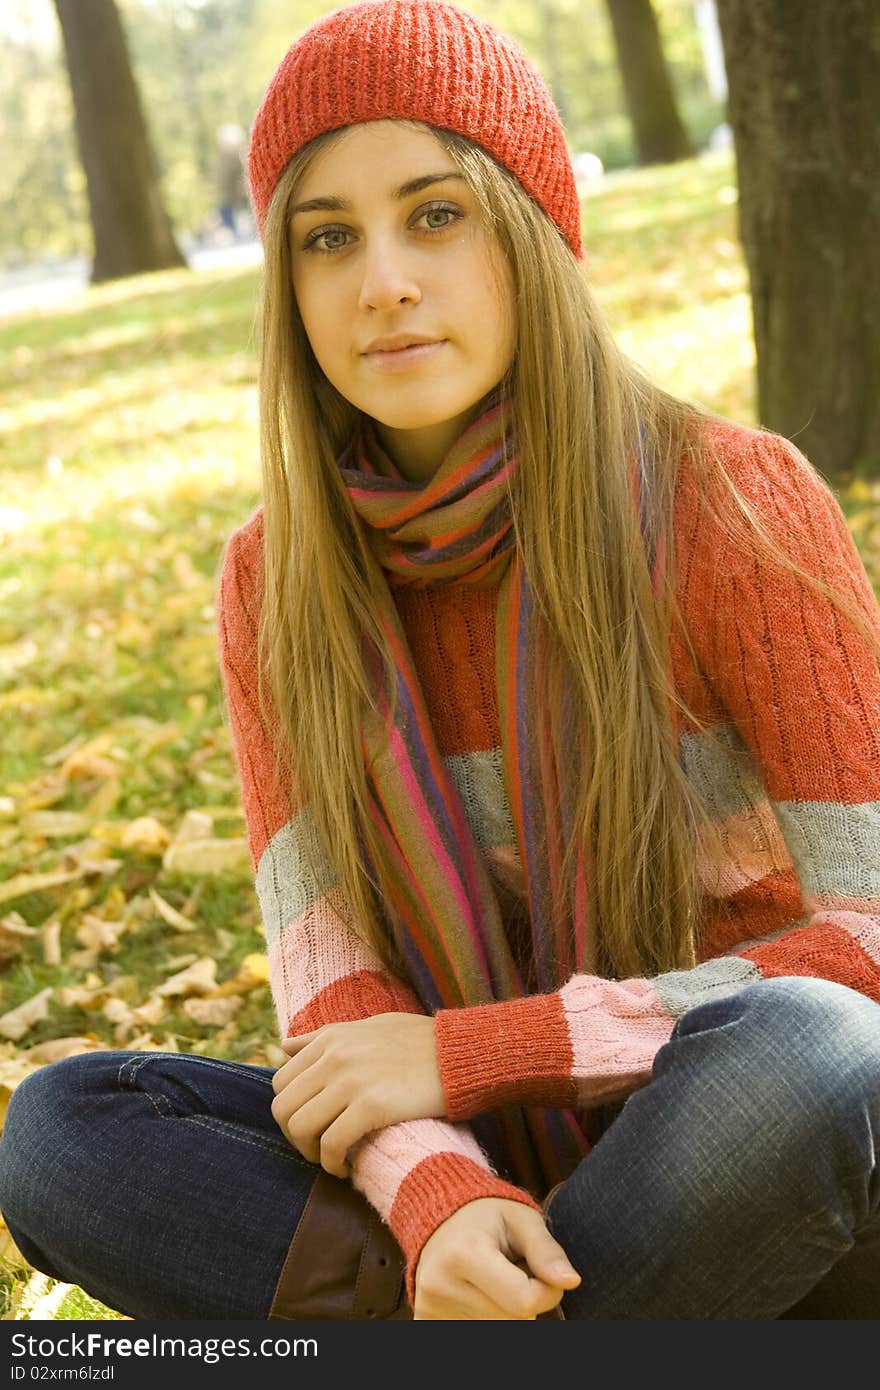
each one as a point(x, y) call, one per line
point(659, 133)
point(131, 228)
point(202, 63)
point(804, 83)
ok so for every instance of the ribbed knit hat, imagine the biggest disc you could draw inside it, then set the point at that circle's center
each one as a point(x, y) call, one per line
point(421, 60)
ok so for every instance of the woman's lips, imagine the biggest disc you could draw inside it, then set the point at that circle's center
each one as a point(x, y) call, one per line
point(401, 359)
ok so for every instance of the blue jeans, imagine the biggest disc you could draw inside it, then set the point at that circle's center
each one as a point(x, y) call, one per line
point(742, 1182)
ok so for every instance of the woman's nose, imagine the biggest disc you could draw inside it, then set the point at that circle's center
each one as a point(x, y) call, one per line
point(388, 278)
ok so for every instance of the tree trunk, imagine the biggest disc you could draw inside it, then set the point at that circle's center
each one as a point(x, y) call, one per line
point(131, 229)
point(659, 133)
point(803, 105)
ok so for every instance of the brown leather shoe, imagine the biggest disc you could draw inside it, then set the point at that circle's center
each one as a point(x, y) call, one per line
point(343, 1262)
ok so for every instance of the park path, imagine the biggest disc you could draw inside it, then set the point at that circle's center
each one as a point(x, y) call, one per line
point(40, 287)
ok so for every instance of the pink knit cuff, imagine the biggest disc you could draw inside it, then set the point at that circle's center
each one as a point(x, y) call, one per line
point(436, 1188)
point(517, 1051)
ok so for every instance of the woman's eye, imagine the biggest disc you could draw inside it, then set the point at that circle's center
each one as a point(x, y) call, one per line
point(321, 240)
point(452, 213)
point(319, 237)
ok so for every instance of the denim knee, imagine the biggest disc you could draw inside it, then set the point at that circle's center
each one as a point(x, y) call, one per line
point(38, 1116)
point(816, 1038)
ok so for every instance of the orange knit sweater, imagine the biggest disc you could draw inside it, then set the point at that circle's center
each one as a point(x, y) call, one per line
point(790, 864)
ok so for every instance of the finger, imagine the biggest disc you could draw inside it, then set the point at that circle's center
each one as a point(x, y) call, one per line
point(294, 1090)
point(306, 1057)
point(305, 1125)
point(348, 1127)
point(294, 1044)
point(545, 1257)
point(462, 1300)
point(511, 1287)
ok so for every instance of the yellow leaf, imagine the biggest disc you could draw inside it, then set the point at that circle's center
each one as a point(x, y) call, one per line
point(43, 791)
point(97, 934)
point(51, 934)
point(14, 922)
point(170, 914)
point(256, 965)
point(117, 1011)
point(153, 1011)
point(196, 825)
point(56, 1049)
point(10, 1255)
point(81, 997)
point(145, 834)
point(20, 1020)
point(104, 799)
point(20, 884)
point(253, 973)
point(198, 978)
point(207, 857)
point(52, 824)
point(12, 1071)
point(88, 763)
point(213, 1011)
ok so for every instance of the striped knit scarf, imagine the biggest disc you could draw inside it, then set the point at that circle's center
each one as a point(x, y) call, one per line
point(444, 915)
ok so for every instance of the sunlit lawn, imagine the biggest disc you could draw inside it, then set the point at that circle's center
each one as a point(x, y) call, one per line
point(128, 427)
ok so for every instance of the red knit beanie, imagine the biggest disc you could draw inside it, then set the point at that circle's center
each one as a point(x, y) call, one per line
point(421, 60)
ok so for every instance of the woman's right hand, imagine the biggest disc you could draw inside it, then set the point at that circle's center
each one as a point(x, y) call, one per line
point(491, 1259)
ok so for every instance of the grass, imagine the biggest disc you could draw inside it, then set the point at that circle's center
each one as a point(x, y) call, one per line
point(128, 426)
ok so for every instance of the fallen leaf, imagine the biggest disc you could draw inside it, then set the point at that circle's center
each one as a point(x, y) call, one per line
point(81, 996)
point(56, 1049)
point(88, 759)
point(153, 1011)
point(53, 824)
point(146, 834)
point(12, 1071)
point(20, 884)
point(10, 1255)
point(196, 825)
point(274, 1055)
point(13, 930)
point(15, 923)
point(253, 973)
point(104, 799)
point(43, 791)
point(178, 962)
point(51, 934)
point(116, 1010)
point(99, 935)
point(207, 856)
point(20, 1020)
point(213, 1011)
point(198, 978)
point(170, 914)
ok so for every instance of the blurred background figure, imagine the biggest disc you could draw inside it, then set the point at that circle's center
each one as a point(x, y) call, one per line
point(232, 194)
point(588, 167)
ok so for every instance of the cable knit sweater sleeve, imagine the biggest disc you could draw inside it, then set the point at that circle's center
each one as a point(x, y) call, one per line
point(790, 863)
point(415, 1173)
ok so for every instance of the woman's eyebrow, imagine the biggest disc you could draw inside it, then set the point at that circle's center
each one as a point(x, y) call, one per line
point(335, 204)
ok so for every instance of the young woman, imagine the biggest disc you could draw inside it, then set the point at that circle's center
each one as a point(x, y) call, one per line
point(556, 705)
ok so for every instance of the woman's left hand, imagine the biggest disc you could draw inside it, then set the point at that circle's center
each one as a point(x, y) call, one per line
point(345, 1079)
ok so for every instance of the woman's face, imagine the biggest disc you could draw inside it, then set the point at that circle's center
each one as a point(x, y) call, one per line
point(392, 260)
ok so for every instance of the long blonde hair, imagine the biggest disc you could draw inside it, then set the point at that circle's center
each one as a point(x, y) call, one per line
point(580, 408)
